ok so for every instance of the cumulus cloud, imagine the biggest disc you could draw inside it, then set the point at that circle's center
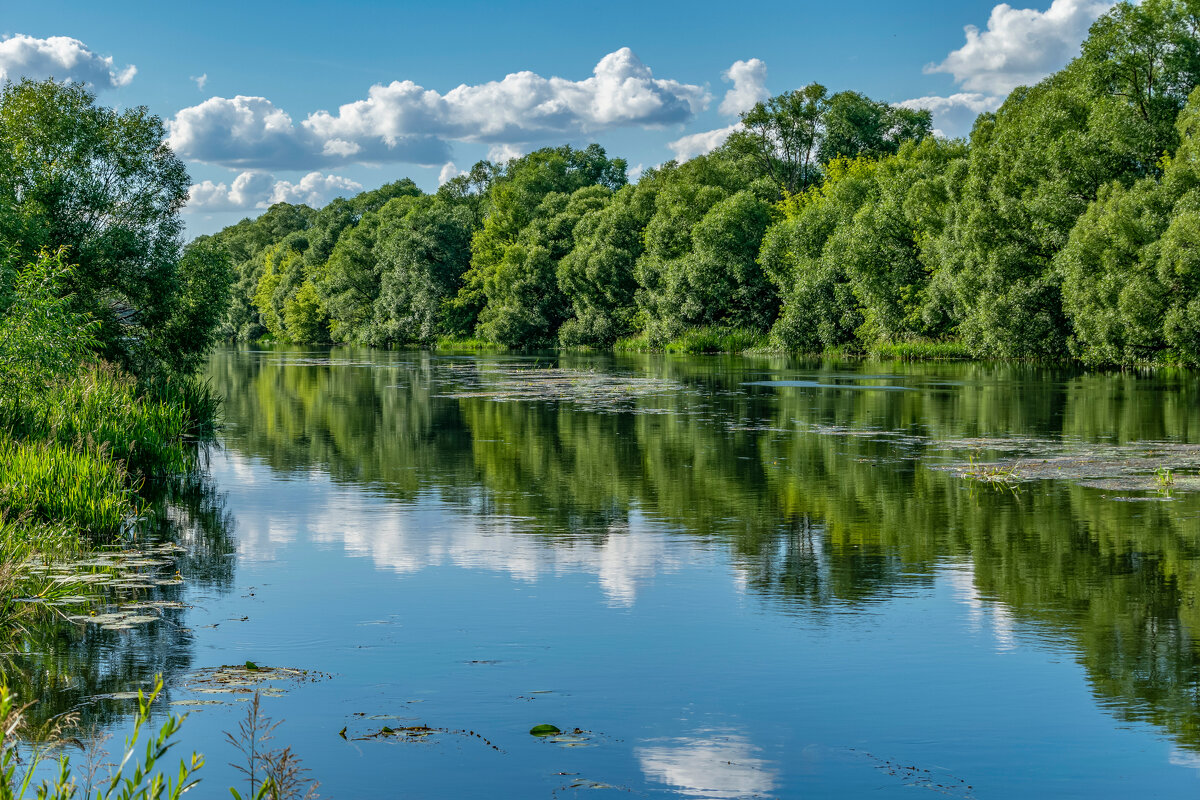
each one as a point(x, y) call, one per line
point(504, 152)
point(449, 172)
point(749, 86)
point(254, 189)
point(403, 121)
point(59, 57)
point(200, 80)
point(697, 144)
point(955, 115)
point(314, 189)
point(1020, 45)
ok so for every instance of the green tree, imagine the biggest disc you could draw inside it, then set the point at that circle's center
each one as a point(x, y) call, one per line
point(525, 306)
point(783, 135)
point(1130, 271)
point(856, 125)
point(514, 194)
point(598, 276)
point(802, 255)
point(102, 184)
point(1037, 164)
point(422, 261)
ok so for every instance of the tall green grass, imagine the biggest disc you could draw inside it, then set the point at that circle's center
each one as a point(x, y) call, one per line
point(922, 351)
point(712, 339)
point(82, 487)
point(455, 344)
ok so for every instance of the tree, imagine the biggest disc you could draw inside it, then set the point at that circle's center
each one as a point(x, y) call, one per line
point(514, 195)
point(1131, 269)
point(105, 186)
point(784, 135)
point(524, 304)
point(856, 125)
point(598, 276)
point(421, 263)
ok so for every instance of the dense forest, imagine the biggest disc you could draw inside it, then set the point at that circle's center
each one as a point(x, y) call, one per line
point(1067, 226)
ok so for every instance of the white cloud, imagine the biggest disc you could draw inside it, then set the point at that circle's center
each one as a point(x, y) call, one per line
point(749, 86)
point(504, 152)
point(449, 172)
point(200, 81)
point(954, 116)
point(254, 189)
point(314, 189)
point(634, 173)
point(1020, 45)
point(402, 121)
point(697, 144)
point(62, 58)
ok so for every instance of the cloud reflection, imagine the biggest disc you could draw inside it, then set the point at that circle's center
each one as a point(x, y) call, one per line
point(714, 765)
point(407, 538)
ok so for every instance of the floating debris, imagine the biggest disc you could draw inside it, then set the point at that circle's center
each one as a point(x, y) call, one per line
point(1135, 467)
point(413, 733)
point(576, 737)
point(247, 679)
point(593, 391)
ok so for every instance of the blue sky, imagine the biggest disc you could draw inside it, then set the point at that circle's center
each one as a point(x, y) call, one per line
point(276, 101)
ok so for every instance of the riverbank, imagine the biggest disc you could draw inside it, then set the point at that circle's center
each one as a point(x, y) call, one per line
point(75, 461)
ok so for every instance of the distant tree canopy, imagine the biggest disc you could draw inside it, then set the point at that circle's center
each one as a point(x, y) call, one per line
point(100, 187)
point(1060, 229)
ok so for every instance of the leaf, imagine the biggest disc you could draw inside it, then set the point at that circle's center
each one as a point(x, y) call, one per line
point(250, 665)
point(544, 729)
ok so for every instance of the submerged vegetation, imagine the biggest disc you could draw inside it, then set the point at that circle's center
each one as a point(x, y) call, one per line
point(1063, 228)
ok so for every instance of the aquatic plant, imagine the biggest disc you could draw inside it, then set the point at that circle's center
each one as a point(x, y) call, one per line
point(83, 487)
point(272, 774)
point(132, 778)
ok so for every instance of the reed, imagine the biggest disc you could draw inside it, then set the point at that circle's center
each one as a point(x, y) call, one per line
point(82, 487)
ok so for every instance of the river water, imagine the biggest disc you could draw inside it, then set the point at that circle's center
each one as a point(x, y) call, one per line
point(720, 577)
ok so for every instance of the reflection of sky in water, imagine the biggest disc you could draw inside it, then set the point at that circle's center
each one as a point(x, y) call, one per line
point(962, 578)
point(430, 533)
point(713, 765)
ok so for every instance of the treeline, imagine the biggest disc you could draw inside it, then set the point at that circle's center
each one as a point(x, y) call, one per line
point(1065, 227)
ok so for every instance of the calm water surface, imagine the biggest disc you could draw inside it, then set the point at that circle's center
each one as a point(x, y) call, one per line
point(737, 577)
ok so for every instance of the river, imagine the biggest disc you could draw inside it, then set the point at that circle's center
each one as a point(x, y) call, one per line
point(719, 577)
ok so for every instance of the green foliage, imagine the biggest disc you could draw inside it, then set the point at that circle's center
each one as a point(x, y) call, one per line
point(684, 247)
point(104, 186)
point(422, 261)
point(598, 276)
point(801, 254)
point(303, 317)
point(514, 200)
point(42, 339)
point(1130, 272)
point(784, 136)
point(524, 305)
point(133, 778)
point(716, 340)
point(83, 487)
point(856, 125)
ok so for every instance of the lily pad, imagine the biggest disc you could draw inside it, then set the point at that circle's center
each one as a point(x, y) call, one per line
point(544, 729)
